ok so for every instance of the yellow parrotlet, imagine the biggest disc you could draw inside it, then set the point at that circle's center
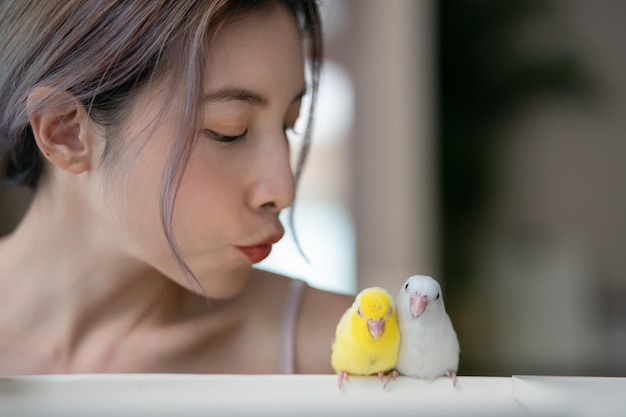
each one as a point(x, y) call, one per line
point(367, 338)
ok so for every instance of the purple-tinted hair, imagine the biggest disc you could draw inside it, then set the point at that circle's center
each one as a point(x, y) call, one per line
point(104, 52)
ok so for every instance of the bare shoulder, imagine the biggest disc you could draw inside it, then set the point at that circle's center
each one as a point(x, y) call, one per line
point(319, 315)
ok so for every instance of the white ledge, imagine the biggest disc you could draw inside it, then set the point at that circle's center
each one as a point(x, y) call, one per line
point(307, 395)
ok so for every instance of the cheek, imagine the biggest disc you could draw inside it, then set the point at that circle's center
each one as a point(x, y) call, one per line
point(140, 210)
point(206, 201)
point(132, 182)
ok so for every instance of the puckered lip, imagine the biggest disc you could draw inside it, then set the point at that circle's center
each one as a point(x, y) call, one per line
point(260, 250)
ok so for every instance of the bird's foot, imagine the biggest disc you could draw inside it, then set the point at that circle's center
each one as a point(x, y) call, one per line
point(343, 376)
point(452, 376)
point(386, 378)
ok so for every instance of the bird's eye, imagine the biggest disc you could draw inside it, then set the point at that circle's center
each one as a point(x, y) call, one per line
point(360, 313)
point(437, 297)
point(406, 287)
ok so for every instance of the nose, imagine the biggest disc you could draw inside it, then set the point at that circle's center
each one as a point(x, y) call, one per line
point(273, 185)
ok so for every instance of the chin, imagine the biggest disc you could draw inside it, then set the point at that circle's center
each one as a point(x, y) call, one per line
point(223, 284)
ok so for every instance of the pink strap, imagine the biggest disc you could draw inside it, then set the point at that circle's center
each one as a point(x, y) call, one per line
point(290, 322)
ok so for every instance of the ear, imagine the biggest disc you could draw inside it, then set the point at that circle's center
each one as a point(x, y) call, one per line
point(61, 127)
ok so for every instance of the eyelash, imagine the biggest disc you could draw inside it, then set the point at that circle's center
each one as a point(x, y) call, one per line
point(230, 139)
point(225, 139)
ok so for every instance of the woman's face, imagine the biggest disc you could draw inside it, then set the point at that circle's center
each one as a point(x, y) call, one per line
point(238, 177)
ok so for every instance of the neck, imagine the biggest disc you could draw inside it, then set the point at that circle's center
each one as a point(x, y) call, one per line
point(69, 279)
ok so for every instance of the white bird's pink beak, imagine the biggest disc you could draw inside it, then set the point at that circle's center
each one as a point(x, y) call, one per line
point(376, 327)
point(418, 303)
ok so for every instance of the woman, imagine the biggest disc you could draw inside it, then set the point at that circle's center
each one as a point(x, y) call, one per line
point(153, 134)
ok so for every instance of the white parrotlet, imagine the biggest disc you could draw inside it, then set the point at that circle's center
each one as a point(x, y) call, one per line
point(429, 347)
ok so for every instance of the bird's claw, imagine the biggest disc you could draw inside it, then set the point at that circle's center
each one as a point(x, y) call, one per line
point(452, 376)
point(343, 376)
point(388, 377)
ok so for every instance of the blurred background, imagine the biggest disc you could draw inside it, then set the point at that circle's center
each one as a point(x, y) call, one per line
point(482, 142)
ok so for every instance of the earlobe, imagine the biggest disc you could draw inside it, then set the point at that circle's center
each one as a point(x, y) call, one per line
point(60, 125)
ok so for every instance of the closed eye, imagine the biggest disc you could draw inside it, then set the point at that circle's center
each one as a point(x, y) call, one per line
point(225, 138)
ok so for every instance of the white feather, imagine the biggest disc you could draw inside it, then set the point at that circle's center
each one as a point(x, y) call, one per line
point(429, 347)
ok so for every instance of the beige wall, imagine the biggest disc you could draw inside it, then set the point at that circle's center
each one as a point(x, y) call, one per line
point(393, 195)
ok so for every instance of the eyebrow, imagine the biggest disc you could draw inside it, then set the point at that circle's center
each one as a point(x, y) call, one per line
point(243, 94)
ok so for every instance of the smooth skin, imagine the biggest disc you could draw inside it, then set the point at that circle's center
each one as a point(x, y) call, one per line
point(88, 282)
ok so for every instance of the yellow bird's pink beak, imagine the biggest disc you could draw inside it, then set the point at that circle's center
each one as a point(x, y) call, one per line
point(418, 303)
point(376, 327)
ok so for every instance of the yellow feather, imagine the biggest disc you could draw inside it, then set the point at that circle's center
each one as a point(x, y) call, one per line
point(354, 350)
